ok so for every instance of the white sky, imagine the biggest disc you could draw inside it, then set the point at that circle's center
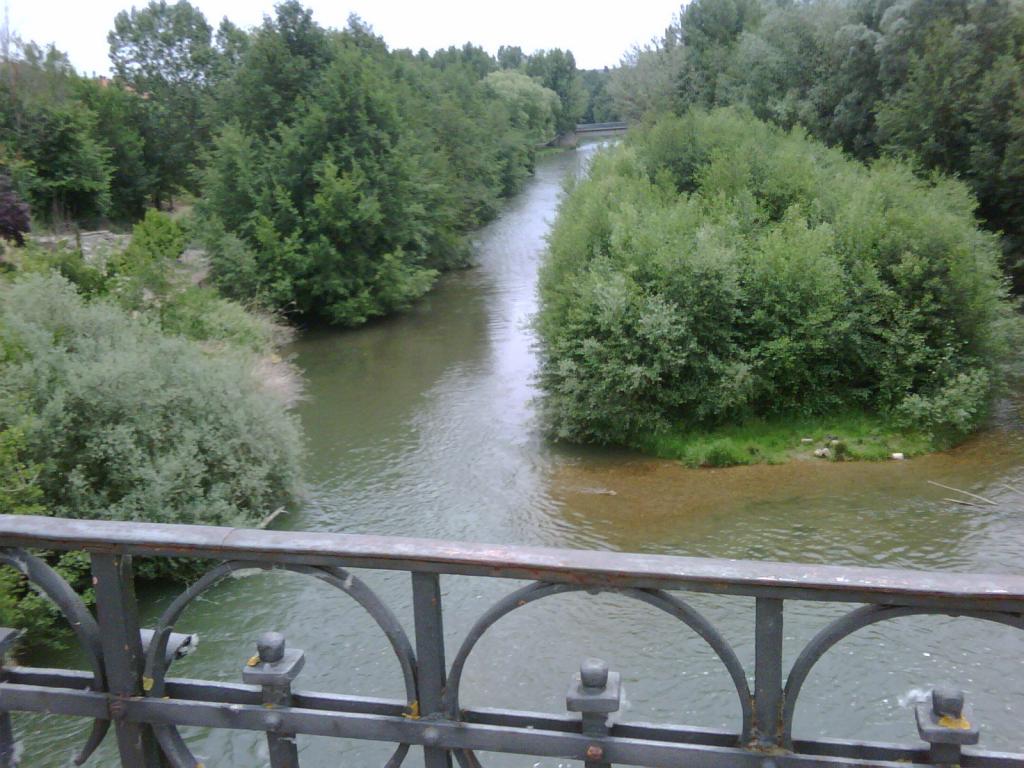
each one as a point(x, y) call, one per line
point(597, 32)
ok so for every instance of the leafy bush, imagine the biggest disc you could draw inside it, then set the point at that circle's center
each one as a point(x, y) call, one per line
point(147, 278)
point(184, 429)
point(146, 264)
point(936, 82)
point(127, 423)
point(200, 314)
point(157, 238)
point(715, 269)
point(952, 411)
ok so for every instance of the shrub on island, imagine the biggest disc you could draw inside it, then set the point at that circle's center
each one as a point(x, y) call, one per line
point(714, 270)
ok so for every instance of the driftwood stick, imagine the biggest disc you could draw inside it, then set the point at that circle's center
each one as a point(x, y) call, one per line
point(271, 517)
point(965, 493)
point(965, 503)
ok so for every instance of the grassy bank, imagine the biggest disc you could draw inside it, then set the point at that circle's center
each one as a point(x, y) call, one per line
point(848, 437)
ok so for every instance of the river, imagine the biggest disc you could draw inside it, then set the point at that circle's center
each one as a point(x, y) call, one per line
point(424, 425)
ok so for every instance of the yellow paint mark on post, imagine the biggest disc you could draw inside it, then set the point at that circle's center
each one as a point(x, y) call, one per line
point(956, 723)
point(414, 711)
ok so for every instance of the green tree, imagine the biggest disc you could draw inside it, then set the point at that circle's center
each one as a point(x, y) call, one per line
point(344, 175)
point(934, 81)
point(600, 107)
point(532, 107)
point(14, 212)
point(277, 65)
point(555, 69)
point(70, 168)
point(120, 119)
point(645, 82)
point(165, 53)
point(511, 57)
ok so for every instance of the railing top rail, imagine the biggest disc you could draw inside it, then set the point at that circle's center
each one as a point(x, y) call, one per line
point(615, 125)
point(590, 568)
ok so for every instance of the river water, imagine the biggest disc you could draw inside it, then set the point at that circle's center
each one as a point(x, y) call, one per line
point(424, 425)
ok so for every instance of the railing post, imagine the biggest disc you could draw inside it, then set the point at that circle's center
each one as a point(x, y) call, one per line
point(595, 693)
point(273, 668)
point(431, 676)
point(768, 672)
point(946, 724)
point(8, 748)
point(117, 612)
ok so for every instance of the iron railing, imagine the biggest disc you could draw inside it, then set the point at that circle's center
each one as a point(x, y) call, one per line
point(127, 682)
point(601, 127)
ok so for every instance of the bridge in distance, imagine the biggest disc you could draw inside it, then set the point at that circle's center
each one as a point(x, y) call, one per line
point(588, 131)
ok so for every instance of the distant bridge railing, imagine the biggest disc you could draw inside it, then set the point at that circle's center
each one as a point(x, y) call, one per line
point(127, 683)
point(601, 127)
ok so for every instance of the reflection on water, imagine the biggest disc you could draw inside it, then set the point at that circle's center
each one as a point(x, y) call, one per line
point(423, 425)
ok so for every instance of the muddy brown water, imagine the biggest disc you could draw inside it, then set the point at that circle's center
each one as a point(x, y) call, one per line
point(425, 425)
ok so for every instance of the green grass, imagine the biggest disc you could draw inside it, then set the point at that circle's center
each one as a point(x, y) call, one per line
point(860, 436)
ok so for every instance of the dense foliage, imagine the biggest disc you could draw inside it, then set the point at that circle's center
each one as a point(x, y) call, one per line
point(165, 53)
point(337, 177)
point(716, 268)
point(941, 83)
point(128, 423)
point(344, 176)
point(127, 392)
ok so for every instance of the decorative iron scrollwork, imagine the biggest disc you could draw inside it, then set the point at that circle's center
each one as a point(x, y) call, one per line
point(170, 739)
point(845, 626)
point(654, 597)
point(50, 583)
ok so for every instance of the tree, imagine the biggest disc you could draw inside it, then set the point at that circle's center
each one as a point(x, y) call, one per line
point(161, 47)
point(279, 64)
point(343, 176)
point(14, 215)
point(70, 168)
point(533, 107)
point(600, 108)
point(473, 57)
point(511, 57)
point(935, 81)
point(120, 120)
point(164, 52)
point(556, 69)
point(714, 268)
point(645, 82)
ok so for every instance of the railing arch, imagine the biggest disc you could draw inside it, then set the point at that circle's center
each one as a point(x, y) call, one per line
point(174, 747)
point(147, 706)
point(658, 599)
point(852, 622)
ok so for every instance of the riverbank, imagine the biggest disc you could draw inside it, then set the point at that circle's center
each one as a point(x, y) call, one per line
point(844, 437)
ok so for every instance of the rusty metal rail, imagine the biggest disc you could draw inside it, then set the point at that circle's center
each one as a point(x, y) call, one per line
point(615, 127)
point(127, 683)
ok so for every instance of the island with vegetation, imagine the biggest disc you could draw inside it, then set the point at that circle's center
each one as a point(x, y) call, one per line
point(717, 289)
point(811, 244)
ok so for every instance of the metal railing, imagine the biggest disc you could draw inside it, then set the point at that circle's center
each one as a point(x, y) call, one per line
point(127, 684)
point(601, 127)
